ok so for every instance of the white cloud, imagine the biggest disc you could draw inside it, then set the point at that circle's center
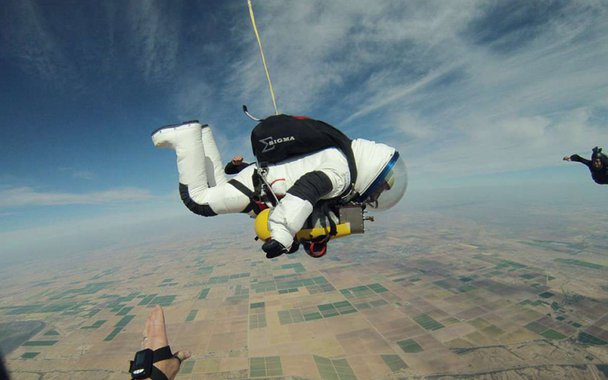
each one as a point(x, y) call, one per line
point(154, 37)
point(26, 196)
point(87, 175)
point(84, 174)
point(461, 94)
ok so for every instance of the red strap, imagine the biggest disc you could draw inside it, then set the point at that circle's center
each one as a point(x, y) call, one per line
point(261, 205)
point(276, 180)
point(319, 253)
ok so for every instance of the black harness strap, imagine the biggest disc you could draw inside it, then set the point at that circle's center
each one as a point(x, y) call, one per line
point(250, 194)
point(326, 207)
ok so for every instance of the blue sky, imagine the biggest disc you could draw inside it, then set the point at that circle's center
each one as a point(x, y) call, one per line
point(468, 91)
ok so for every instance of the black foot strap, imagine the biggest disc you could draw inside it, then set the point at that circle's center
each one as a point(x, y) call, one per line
point(162, 353)
point(157, 374)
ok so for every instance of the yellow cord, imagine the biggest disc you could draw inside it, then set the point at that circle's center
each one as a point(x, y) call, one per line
point(257, 36)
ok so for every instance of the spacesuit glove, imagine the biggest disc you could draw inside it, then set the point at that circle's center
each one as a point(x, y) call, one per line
point(273, 249)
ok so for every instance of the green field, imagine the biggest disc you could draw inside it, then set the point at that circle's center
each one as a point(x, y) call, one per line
point(125, 310)
point(427, 322)
point(203, 294)
point(585, 338)
point(509, 263)
point(334, 369)
point(146, 300)
point(394, 362)
point(191, 316)
point(257, 321)
point(297, 267)
point(536, 327)
point(163, 300)
point(265, 366)
point(124, 321)
point(30, 343)
point(580, 263)
point(113, 334)
point(290, 316)
point(95, 325)
point(552, 334)
point(410, 346)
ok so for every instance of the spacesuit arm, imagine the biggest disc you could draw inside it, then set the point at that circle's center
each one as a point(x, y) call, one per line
point(311, 186)
point(577, 158)
point(297, 205)
point(232, 168)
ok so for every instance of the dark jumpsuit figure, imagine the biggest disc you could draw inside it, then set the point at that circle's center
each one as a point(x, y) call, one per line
point(598, 165)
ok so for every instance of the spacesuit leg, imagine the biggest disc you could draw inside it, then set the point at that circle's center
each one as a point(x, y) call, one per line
point(291, 213)
point(186, 140)
point(213, 161)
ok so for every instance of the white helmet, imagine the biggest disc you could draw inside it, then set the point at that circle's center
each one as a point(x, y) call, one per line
point(389, 186)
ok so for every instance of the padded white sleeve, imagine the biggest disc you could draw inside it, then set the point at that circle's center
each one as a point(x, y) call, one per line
point(288, 218)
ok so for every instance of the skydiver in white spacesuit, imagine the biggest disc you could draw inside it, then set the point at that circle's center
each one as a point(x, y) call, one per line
point(301, 165)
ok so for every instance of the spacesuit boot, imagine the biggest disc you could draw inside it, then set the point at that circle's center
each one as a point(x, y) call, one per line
point(186, 140)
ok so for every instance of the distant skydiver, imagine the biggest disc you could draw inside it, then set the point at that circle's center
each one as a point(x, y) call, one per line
point(3, 371)
point(300, 162)
point(598, 165)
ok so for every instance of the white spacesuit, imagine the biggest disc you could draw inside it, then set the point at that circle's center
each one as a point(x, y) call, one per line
point(297, 182)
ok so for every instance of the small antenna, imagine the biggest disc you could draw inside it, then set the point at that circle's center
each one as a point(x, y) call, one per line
point(250, 115)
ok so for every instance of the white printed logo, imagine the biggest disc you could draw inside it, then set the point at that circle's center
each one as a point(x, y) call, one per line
point(270, 142)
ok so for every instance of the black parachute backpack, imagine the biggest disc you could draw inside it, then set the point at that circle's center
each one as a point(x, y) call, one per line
point(281, 137)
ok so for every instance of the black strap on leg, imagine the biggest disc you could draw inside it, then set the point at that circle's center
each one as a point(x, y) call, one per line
point(326, 208)
point(157, 374)
point(162, 353)
point(250, 194)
